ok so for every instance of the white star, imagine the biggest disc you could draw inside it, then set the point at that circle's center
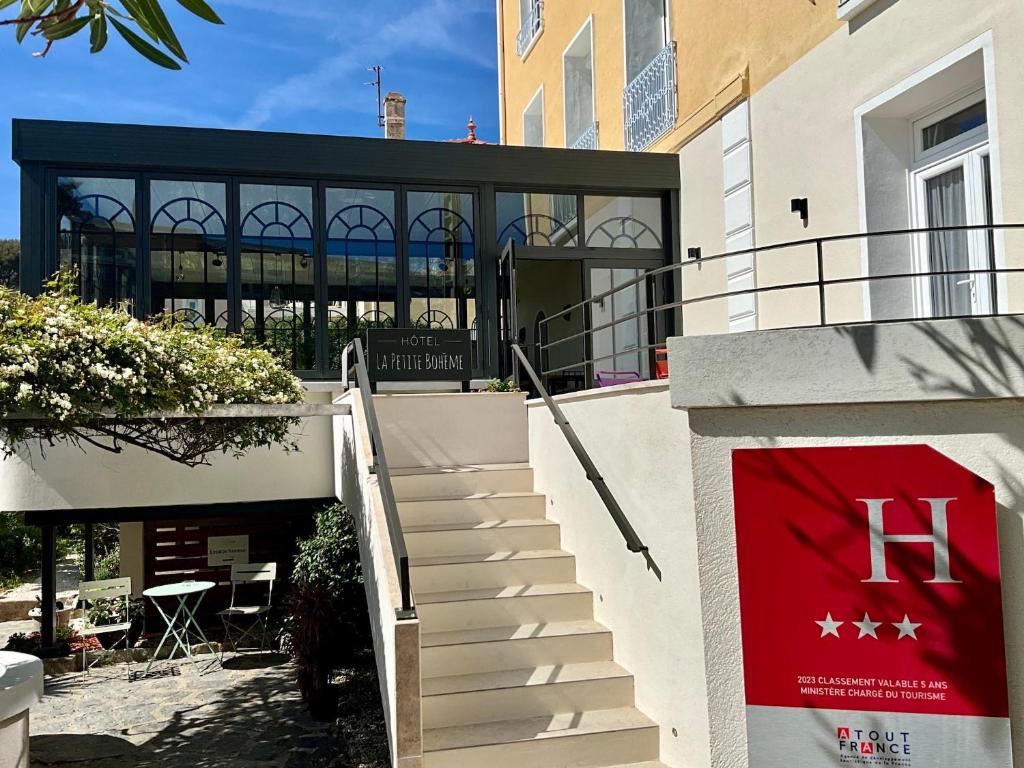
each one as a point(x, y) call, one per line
point(867, 627)
point(906, 627)
point(828, 626)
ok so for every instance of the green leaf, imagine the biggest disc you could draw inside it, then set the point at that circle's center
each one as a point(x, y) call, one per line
point(153, 54)
point(139, 18)
point(202, 10)
point(6, 3)
point(35, 7)
point(63, 29)
point(97, 33)
point(22, 31)
point(156, 18)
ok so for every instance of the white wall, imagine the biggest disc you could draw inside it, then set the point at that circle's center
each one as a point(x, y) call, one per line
point(641, 446)
point(440, 430)
point(806, 142)
point(396, 643)
point(64, 477)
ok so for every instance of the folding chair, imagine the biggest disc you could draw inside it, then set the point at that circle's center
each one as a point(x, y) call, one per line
point(246, 575)
point(107, 589)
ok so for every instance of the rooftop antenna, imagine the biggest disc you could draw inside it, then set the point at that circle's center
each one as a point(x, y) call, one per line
point(377, 69)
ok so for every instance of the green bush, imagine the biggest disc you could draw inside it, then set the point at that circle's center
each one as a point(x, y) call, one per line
point(327, 618)
point(20, 549)
point(329, 559)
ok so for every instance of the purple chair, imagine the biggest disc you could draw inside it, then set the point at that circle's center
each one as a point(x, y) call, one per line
point(611, 378)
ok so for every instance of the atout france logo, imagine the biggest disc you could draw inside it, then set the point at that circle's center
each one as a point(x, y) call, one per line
point(859, 741)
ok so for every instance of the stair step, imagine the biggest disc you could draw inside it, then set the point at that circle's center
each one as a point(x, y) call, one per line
point(476, 507)
point(570, 740)
point(503, 606)
point(438, 482)
point(491, 649)
point(523, 693)
point(491, 569)
point(479, 536)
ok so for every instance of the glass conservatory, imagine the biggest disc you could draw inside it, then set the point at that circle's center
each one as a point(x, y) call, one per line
point(301, 242)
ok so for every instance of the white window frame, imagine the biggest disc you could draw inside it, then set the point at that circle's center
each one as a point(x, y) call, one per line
point(588, 26)
point(971, 159)
point(538, 94)
point(971, 138)
point(666, 36)
point(536, 36)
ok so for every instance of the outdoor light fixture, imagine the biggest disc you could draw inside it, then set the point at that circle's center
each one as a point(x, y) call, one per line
point(693, 253)
point(799, 205)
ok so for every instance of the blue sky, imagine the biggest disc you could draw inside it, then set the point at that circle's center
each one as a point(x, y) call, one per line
point(276, 65)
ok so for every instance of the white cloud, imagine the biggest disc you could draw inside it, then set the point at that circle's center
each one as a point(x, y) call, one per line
point(437, 26)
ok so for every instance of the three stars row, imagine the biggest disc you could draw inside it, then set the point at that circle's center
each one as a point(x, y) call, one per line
point(869, 628)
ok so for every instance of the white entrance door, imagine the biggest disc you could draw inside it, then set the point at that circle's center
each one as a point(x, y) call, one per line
point(952, 188)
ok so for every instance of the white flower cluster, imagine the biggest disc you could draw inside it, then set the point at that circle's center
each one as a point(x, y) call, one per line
point(69, 360)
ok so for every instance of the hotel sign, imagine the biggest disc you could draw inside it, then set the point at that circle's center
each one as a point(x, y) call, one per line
point(419, 354)
point(871, 609)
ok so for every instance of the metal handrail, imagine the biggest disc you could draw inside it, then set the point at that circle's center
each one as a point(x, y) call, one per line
point(633, 542)
point(387, 493)
point(818, 282)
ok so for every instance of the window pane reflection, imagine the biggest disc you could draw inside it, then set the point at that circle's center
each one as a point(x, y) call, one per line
point(277, 270)
point(96, 236)
point(534, 218)
point(362, 279)
point(623, 222)
point(442, 260)
point(188, 252)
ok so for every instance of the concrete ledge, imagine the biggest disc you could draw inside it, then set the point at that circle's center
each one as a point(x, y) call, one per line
point(633, 388)
point(926, 360)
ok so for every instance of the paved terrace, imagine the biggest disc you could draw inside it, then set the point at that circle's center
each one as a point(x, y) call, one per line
point(246, 714)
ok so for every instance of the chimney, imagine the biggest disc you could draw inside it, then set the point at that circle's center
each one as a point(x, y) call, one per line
point(394, 116)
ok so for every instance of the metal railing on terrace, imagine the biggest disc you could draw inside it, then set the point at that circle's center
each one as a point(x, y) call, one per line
point(587, 139)
point(649, 102)
point(531, 27)
point(877, 277)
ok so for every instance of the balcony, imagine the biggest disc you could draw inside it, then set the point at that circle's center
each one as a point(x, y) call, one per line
point(649, 103)
point(531, 28)
point(587, 139)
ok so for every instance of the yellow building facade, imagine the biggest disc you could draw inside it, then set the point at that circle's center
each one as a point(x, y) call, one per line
point(724, 50)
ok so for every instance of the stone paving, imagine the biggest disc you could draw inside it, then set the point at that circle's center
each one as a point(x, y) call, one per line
point(246, 713)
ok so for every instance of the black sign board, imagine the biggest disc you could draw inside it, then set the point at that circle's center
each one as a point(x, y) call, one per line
point(419, 354)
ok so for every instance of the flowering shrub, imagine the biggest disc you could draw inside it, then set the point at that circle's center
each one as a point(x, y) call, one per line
point(79, 372)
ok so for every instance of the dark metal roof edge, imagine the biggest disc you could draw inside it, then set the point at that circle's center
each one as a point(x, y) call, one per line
point(39, 141)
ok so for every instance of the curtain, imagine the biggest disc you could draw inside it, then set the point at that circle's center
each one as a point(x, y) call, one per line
point(948, 251)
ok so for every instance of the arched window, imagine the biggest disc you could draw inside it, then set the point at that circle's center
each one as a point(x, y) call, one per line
point(96, 237)
point(623, 222)
point(278, 270)
point(442, 260)
point(362, 277)
point(188, 253)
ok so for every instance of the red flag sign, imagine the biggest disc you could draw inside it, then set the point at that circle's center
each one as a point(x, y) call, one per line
point(870, 592)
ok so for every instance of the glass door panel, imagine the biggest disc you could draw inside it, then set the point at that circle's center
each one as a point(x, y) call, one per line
point(620, 339)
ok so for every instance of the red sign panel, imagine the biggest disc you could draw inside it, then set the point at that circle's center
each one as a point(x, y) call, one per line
point(869, 582)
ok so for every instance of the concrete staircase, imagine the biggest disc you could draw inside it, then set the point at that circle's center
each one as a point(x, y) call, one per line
point(515, 671)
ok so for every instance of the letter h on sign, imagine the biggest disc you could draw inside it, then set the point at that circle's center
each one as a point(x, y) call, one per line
point(938, 538)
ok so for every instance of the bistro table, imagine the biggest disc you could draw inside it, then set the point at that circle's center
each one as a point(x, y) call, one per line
point(180, 624)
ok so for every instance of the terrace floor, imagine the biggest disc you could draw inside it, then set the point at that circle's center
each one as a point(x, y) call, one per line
point(246, 713)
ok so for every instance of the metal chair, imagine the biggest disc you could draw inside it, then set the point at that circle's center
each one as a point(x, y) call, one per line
point(246, 575)
point(107, 589)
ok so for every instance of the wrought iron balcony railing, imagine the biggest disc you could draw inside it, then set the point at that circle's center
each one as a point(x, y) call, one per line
point(532, 26)
point(649, 102)
point(587, 139)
